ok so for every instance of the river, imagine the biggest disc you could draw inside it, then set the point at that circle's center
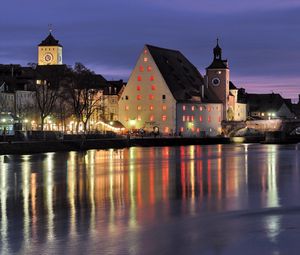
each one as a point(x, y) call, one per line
point(215, 199)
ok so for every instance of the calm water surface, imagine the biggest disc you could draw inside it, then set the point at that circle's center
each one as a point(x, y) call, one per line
point(219, 199)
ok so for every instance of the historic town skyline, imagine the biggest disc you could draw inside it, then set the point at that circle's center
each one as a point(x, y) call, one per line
point(259, 39)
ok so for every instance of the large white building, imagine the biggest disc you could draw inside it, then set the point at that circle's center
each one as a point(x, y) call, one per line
point(166, 91)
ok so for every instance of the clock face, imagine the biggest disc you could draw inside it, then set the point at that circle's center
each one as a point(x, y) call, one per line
point(215, 82)
point(48, 57)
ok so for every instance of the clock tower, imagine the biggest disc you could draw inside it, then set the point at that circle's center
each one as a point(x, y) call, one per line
point(217, 78)
point(50, 51)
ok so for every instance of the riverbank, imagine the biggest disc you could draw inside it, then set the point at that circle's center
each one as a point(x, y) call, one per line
point(30, 147)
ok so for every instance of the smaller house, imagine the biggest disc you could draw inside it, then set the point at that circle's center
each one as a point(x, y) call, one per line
point(268, 106)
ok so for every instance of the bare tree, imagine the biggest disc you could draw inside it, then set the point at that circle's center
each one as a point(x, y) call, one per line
point(84, 89)
point(47, 89)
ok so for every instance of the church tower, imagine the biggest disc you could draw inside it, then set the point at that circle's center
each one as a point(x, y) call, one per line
point(217, 78)
point(50, 51)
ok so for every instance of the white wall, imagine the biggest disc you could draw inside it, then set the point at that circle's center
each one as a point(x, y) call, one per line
point(198, 119)
point(136, 114)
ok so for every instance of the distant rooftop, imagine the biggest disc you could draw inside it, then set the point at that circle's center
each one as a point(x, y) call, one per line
point(50, 41)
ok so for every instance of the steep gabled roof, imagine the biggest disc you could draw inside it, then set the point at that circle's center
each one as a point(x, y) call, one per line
point(181, 76)
point(50, 41)
point(232, 86)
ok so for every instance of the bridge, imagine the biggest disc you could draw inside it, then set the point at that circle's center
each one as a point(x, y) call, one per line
point(236, 128)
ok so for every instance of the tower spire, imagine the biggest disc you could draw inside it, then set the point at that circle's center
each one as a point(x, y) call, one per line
point(50, 28)
point(217, 51)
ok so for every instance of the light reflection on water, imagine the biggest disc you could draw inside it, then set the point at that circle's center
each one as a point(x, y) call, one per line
point(150, 200)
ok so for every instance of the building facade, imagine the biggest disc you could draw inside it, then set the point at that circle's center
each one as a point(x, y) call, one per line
point(50, 51)
point(166, 92)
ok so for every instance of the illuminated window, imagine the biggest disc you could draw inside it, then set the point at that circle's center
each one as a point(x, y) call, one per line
point(139, 108)
point(151, 78)
point(198, 130)
point(166, 129)
point(181, 129)
point(141, 69)
point(193, 129)
point(126, 108)
point(209, 119)
point(145, 59)
point(200, 118)
point(151, 107)
point(209, 108)
point(192, 118)
point(151, 97)
point(139, 78)
point(149, 68)
point(193, 108)
point(138, 97)
point(200, 108)
point(153, 87)
point(145, 51)
point(164, 117)
point(138, 88)
point(139, 117)
point(183, 118)
point(151, 117)
point(164, 107)
point(187, 118)
point(183, 107)
point(163, 97)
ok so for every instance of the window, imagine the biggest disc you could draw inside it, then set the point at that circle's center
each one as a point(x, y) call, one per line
point(126, 97)
point(139, 108)
point(151, 78)
point(200, 108)
point(141, 69)
point(163, 97)
point(151, 107)
point(193, 108)
point(138, 97)
point(145, 59)
point(139, 78)
point(126, 108)
point(164, 117)
point(200, 118)
point(166, 130)
point(192, 118)
point(145, 51)
point(149, 68)
point(153, 87)
point(164, 107)
point(139, 118)
point(198, 130)
point(138, 88)
point(187, 118)
point(181, 129)
point(183, 107)
point(209, 119)
point(151, 117)
point(209, 108)
point(151, 97)
point(183, 118)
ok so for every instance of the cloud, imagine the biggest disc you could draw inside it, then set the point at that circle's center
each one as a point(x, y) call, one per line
point(260, 38)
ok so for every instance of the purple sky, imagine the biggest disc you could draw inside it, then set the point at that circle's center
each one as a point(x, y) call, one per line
point(260, 38)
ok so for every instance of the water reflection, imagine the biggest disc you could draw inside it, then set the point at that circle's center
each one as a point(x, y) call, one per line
point(108, 196)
